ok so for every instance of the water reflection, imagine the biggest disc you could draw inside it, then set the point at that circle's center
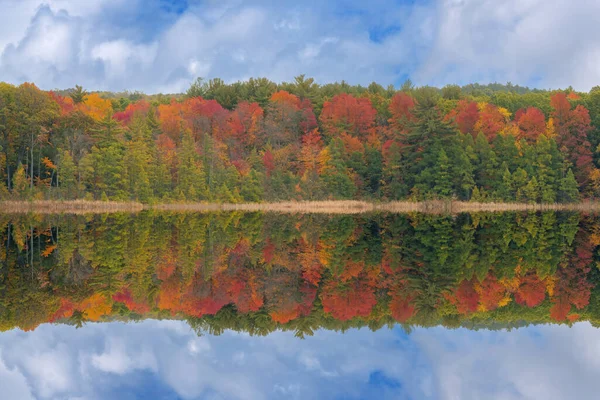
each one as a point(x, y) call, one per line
point(259, 273)
point(167, 360)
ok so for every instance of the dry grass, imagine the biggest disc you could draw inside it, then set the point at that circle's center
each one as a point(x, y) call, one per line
point(290, 207)
point(459, 206)
point(67, 207)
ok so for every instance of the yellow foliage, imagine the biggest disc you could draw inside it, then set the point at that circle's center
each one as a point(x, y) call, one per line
point(505, 113)
point(96, 107)
point(595, 181)
point(550, 130)
point(505, 301)
point(550, 282)
point(510, 129)
point(510, 284)
point(323, 159)
point(96, 306)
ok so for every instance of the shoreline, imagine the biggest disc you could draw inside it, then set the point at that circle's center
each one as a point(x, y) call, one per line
point(286, 207)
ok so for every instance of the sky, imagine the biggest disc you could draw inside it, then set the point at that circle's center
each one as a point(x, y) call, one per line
point(163, 45)
point(166, 360)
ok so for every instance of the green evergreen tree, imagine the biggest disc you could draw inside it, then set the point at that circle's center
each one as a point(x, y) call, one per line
point(336, 178)
point(393, 183)
point(443, 185)
point(519, 180)
point(191, 181)
point(569, 188)
point(251, 187)
point(530, 192)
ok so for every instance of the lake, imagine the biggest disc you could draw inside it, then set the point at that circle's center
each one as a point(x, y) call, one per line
point(267, 305)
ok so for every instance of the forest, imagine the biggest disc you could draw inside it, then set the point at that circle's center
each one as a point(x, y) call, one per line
point(259, 141)
point(261, 272)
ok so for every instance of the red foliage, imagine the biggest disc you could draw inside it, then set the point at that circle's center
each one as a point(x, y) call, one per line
point(531, 291)
point(138, 108)
point(346, 300)
point(66, 104)
point(401, 108)
point(268, 251)
point(65, 310)
point(573, 127)
point(465, 116)
point(269, 162)
point(346, 113)
point(561, 112)
point(531, 123)
point(465, 297)
point(308, 120)
point(124, 296)
point(401, 308)
point(244, 123)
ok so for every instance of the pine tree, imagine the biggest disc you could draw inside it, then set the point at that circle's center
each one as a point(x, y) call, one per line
point(519, 181)
point(530, 192)
point(393, 183)
point(476, 196)
point(569, 188)
point(421, 145)
point(191, 181)
point(251, 188)
point(335, 174)
point(443, 185)
point(137, 161)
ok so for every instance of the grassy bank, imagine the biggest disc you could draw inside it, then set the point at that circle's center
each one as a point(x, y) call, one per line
point(292, 207)
point(68, 207)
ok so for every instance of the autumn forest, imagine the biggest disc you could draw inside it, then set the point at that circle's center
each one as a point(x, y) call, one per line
point(260, 272)
point(258, 141)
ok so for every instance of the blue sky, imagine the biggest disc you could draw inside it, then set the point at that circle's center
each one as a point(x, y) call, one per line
point(166, 360)
point(162, 45)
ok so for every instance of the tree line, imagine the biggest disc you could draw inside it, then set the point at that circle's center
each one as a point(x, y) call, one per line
point(257, 141)
point(263, 272)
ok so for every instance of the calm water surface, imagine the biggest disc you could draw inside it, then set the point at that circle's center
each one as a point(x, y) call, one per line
point(251, 306)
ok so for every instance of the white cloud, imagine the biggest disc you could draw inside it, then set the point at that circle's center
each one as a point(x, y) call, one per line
point(14, 383)
point(50, 371)
point(549, 362)
point(99, 360)
point(118, 358)
point(116, 45)
point(557, 43)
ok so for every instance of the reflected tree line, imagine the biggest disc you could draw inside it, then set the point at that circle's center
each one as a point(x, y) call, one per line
point(258, 273)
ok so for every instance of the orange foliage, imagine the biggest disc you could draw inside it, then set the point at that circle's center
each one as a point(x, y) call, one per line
point(491, 292)
point(491, 121)
point(96, 107)
point(96, 306)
